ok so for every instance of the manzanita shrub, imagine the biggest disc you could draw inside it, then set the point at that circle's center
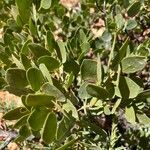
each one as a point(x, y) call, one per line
point(81, 69)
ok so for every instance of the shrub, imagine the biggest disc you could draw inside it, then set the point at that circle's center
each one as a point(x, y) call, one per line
point(82, 72)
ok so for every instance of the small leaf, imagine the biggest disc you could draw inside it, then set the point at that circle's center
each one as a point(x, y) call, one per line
point(17, 62)
point(37, 50)
point(130, 114)
point(22, 121)
point(35, 78)
point(24, 131)
point(37, 118)
point(50, 62)
point(61, 130)
point(143, 119)
point(145, 94)
point(89, 70)
point(82, 91)
point(46, 73)
point(83, 37)
point(85, 47)
point(70, 108)
point(25, 49)
point(50, 41)
point(97, 91)
point(71, 66)
point(67, 145)
point(16, 113)
point(39, 100)
point(49, 129)
point(46, 4)
point(121, 53)
point(23, 8)
point(107, 110)
point(32, 27)
point(119, 20)
point(51, 90)
point(131, 24)
point(127, 88)
point(18, 91)
point(133, 63)
point(117, 103)
point(62, 47)
point(134, 9)
point(16, 77)
point(25, 61)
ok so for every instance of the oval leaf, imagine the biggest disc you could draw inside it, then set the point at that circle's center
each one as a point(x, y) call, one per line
point(15, 113)
point(134, 9)
point(39, 100)
point(49, 129)
point(35, 78)
point(133, 64)
point(50, 62)
point(16, 77)
point(89, 70)
point(97, 91)
point(37, 118)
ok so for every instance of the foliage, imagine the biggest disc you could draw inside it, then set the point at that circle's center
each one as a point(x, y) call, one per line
point(79, 90)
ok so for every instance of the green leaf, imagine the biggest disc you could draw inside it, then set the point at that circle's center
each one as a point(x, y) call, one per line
point(85, 46)
point(24, 9)
point(121, 53)
point(97, 91)
point(117, 103)
point(39, 100)
point(107, 110)
point(62, 47)
point(22, 121)
point(89, 70)
point(35, 78)
point(49, 129)
point(46, 4)
point(134, 9)
point(18, 91)
point(82, 91)
point(67, 145)
point(17, 62)
point(143, 119)
point(51, 90)
point(61, 130)
point(144, 94)
point(25, 61)
point(119, 20)
point(127, 88)
point(25, 49)
point(133, 64)
point(5, 58)
point(46, 73)
point(37, 50)
point(50, 62)
point(24, 131)
point(37, 118)
point(131, 24)
point(50, 41)
point(71, 66)
point(16, 113)
point(82, 36)
point(130, 114)
point(16, 77)
point(70, 108)
point(32, 27)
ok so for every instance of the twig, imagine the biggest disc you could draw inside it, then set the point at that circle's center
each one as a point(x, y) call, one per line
point(11, 136)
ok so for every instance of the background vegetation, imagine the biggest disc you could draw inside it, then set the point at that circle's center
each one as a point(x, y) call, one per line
point(82, 71)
